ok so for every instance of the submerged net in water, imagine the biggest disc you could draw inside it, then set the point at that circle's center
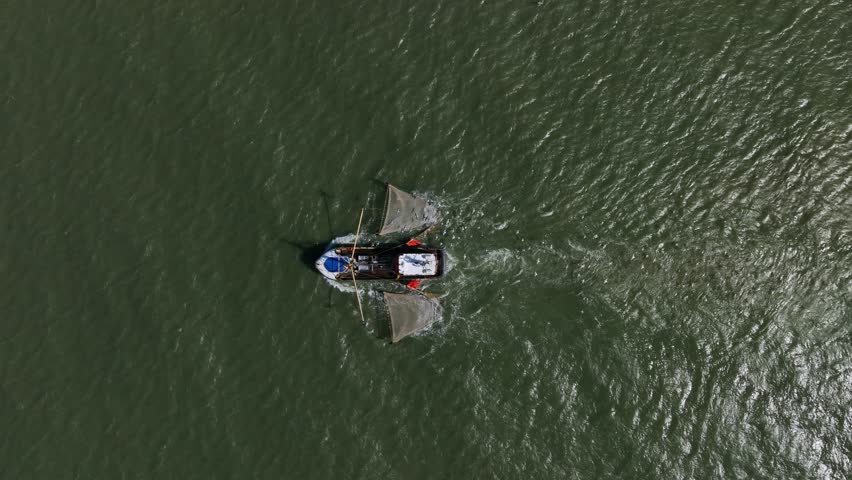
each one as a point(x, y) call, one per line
point(409, 313)
point(406, 213)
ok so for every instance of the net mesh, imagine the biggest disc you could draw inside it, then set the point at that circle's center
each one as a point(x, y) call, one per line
point(409, 313)
point(406, 213)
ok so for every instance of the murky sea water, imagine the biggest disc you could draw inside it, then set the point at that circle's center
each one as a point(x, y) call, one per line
point(648, 207)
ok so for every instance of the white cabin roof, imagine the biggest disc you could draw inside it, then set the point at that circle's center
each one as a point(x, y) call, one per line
point(416, 264)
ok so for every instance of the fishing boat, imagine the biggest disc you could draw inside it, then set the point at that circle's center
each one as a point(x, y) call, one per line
point(392, 258)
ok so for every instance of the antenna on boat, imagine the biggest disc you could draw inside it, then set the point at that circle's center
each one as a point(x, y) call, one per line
point(354, 270)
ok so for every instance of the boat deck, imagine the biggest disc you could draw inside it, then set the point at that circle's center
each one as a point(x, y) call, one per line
point(393, 262)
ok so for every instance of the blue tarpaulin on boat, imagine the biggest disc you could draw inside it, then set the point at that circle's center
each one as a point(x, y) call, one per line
point(335, 264)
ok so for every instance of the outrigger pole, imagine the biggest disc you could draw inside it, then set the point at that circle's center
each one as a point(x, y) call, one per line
point(352, 267)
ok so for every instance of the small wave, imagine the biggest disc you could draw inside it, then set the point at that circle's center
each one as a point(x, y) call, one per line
point(340, 286)
point(449, 262)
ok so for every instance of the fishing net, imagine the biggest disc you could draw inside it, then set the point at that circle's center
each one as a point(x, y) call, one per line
point(406, 213)
point(409, 313)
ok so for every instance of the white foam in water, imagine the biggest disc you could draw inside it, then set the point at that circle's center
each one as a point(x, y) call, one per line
point(371, 288)
point(500, 259)
point(449, 262)
point(340, 286)
point(363, 239)
point(349, 238)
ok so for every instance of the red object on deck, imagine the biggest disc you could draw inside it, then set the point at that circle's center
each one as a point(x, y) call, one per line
point(413, 243)
point(415, 284)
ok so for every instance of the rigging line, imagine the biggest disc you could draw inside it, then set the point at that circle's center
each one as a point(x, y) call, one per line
point(429, 295)
point(357, 234)
point(385, 209)
point(389, 249)
point(413, 238)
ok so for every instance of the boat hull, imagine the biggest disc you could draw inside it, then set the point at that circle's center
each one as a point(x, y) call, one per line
point(395, 262)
